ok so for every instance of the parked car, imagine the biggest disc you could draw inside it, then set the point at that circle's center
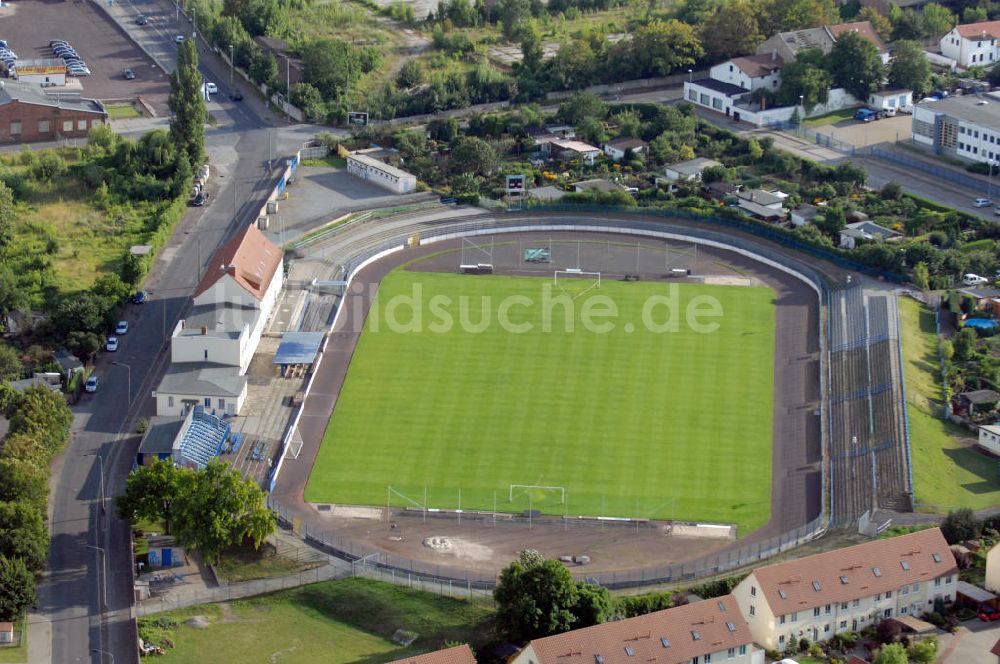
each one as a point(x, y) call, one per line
point(121, 327)
point(141, 19)
point(982, 202)
point(91, 384)
point(211, 88)
point(128, 74)
point(140, 297)
point(200, 199)
point(864, 115)
point(974, 280)
point(236, 96)
point(111, 345)
point(179, 39)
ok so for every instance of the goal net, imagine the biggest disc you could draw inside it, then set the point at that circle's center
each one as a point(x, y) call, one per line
point(575, 282)
point(536, 493)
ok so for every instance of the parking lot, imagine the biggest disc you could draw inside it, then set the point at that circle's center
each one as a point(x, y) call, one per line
point(28, 25)
point(853, 132)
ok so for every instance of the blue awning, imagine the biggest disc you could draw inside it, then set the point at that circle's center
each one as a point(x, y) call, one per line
point(298, 348)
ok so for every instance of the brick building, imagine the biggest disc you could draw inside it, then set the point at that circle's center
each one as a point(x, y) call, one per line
point(29, 113)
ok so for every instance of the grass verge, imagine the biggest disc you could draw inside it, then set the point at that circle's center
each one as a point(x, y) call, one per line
point(122, 112)
point(338, 621)
point(329, 161)
point(19, 653)
point(246, 563)
point(539, 406)
point(947, 471)
point(830, 118)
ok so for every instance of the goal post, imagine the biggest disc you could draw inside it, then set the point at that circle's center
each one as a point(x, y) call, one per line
point(522, 489)
point(574, 273)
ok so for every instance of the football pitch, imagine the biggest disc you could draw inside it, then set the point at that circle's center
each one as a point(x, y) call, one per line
point(462, 387)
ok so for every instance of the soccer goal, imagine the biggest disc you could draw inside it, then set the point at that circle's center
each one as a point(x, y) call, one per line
point(520, 490)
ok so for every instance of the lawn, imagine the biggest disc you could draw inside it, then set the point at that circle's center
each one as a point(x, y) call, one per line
point(670, 424)
point(122, 112)
point(245, 563)
point(947, 471)
point(19, 653)
point(830, 118)
point(340, 621)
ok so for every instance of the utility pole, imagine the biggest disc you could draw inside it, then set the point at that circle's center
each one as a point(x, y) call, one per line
point(194, 25)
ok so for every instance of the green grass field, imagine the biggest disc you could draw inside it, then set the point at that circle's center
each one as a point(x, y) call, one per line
point(947, 471)
point(659, 424)
point(334, 622)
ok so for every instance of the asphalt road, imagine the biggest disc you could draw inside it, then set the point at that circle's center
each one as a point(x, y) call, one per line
point(70, 597)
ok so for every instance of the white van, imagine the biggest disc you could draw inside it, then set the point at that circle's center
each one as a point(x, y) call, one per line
point(974, 280)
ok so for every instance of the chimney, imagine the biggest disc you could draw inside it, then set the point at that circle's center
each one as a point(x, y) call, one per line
point(774, 55)
point(204, 329)
point(222, 268)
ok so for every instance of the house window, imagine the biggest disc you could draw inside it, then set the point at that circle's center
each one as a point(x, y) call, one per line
point(206, 353)
point(730, 67)
point(781, 639)
point(170, 402)
point(826, 628)
point(961, 130)
point(916, 586)
point(888, 594)
point(782, 620)
point(208, 402)
point(692, 95)
point(707, 658)
point(222, 404)
point(947, 579)
point(905, 590)
point(43, 126)
point(753, 591)
point(81, 125)
point(15, 128)
point(878, 597)
point(843, 607)
point(795, 616)
point(716, 103)
point(857, 603)
point(67, 125)
point(843, 624)
point(903, 610)
point(828, 609)
point(704, 99)
point(731, 653)
point(887, 613)
point(743, 650)
point(816, 612)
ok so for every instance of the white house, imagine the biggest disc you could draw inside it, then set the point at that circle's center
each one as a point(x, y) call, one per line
point(719, 96)
point(848, 589)
point(972, 44)
point(760, 203)
point(218, 388)
point(689, 170)
point(570, 149)
point(989, 438)
point(993, 569)
point(901, 100)
point(706, 632)
point(966, 126)
point(617, 148)
point(232, 303)
point(750, 72)
point(865, 230)
point(381, 174)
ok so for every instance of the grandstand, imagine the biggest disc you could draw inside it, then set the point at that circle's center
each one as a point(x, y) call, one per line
point(869, 460)
point(200, 438)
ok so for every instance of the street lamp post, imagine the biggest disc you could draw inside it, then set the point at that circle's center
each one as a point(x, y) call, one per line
point(231, 65)
point(129, 370)
point(194, 24)
point(690, 75)
point(103, 653)
point(104, 584)
point(101, 460)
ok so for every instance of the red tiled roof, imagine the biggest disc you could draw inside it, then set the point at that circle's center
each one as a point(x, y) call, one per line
point(996, 649)
point(863, 28)
point(857, 571)
point(6, 627)
point(671, 636)
point(983, 29)
point(758, 65)
point(458, 655)
point(250, 258)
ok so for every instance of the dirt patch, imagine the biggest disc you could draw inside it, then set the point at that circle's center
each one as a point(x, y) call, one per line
point(459, 548)
point(198, 622)
point(352, 512)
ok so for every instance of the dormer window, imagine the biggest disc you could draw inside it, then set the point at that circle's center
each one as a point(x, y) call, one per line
point(816, 586)
point(665, 641)
point(722, 606)
point(629, 651)
point(877, 571)
point(843, 580)
point(730, 626)
point(696, 635)
point(905, 565)
point(781, 593)
point(936, 557)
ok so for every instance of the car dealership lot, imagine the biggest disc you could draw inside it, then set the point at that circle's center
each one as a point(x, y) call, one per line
point(29, 25)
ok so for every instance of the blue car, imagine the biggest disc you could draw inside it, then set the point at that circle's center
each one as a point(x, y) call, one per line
point(140, 297)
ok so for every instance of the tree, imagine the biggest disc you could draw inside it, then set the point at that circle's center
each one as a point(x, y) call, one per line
point(974, 14)
point(787, 15)
point(11, 366)
point(909, 68)
point(26, 447)
point(410, 75)
point(961, 524)
point(24, 481)
point(43, 414)
point(187, 126)
point(17, 588)
point(580, 106)
point(936, 20)
point(881, 24)
point(150, 493)
point(924, 651)
point(660, 48)
point(531, 49)
point(832, 221)
point(888, 631)
point(7, 215)
point(921, 276)
point(23, 534)
point(805, 79)
point(216, 508)
point(535, 598)
point(593, 605)
point(754, 151)
point(855, 65)
point(734, 29)
point(473, 155)
point(12, 296)
point(893, 653)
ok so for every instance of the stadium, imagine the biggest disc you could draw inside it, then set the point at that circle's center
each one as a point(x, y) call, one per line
point(462, 387)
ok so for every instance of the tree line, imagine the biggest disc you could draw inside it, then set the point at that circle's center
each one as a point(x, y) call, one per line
point(39, 429)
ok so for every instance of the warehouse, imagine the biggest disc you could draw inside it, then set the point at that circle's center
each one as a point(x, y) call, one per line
point(379, 173)
point(30, 113)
